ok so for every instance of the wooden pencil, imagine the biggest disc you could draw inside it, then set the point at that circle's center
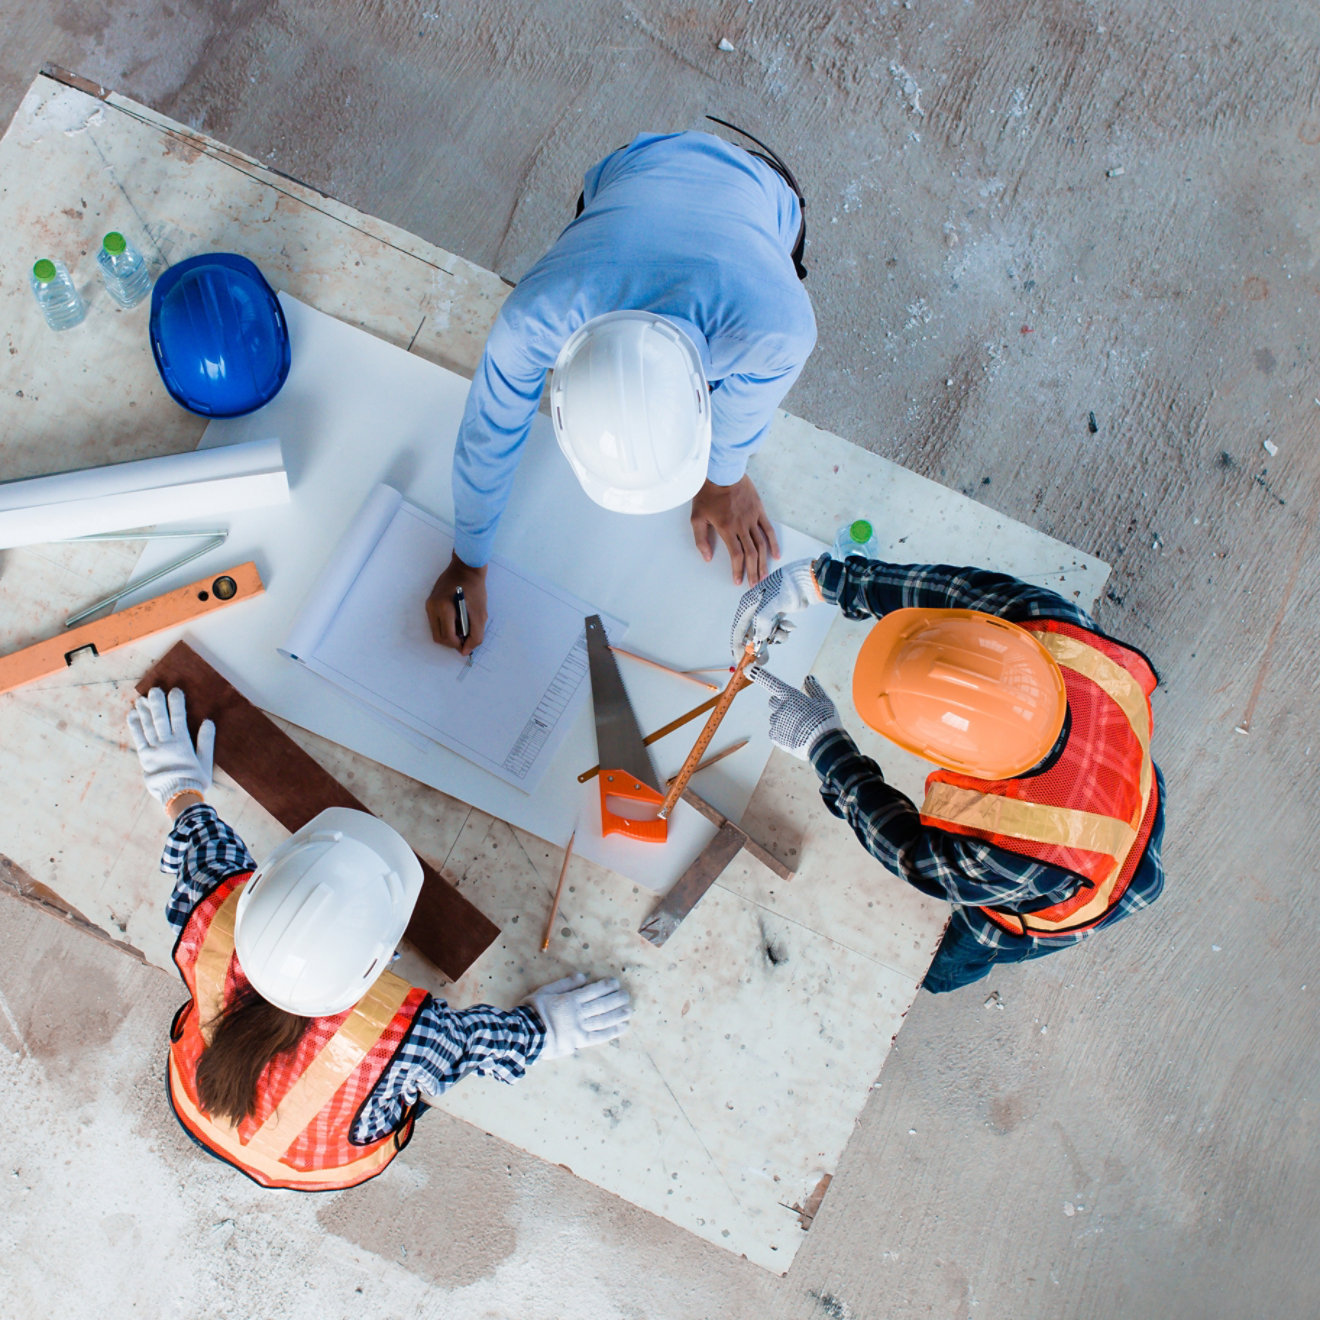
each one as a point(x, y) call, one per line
point(665, 669)
point(559, 889)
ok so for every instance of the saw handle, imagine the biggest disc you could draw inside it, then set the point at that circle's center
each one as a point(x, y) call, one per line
point(620, 784)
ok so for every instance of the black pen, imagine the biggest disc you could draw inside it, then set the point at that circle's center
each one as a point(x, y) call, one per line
point(460, 604)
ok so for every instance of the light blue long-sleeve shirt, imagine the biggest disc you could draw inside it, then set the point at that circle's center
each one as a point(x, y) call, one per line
point(687, 226)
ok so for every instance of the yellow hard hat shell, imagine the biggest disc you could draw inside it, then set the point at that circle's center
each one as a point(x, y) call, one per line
point(966, 690)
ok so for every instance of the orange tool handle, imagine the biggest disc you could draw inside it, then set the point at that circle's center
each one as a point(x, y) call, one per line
point(617, 784)
point(182, 605)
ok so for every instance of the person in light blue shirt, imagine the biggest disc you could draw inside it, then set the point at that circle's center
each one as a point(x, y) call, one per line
point(700, 235)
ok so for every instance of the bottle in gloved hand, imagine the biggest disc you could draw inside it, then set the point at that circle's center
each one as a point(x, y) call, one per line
point(124, 270)
point(57, 295)
point(855, 538)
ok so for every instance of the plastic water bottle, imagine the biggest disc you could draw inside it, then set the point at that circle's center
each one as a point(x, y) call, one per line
point(57, 295)
point(856, 538)
point(124, 270)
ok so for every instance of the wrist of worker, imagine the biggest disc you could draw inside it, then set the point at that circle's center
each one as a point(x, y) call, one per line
point(830, 575)
point(181, 800)
point(830, 747)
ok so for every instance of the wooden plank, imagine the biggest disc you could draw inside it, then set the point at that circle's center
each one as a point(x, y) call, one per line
point(267, 764)
point(669, 912)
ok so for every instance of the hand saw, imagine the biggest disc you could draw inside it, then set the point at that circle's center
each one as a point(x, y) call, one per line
point(626, 772)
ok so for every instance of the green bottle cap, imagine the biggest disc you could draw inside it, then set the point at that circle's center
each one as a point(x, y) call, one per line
point(44, 270)
point(860, 531)
point(114, 242)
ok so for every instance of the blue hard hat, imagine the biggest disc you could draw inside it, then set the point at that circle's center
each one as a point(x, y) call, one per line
point(218, 335)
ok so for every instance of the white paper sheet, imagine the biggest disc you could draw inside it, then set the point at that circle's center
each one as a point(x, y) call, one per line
point(356, 411)
point(144, 493)
point(508, 706)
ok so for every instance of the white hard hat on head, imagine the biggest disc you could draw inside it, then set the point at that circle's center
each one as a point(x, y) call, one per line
point(322, 915)
point(631, 411)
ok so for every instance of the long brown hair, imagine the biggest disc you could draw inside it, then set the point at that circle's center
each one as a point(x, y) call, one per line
point(249, 1033)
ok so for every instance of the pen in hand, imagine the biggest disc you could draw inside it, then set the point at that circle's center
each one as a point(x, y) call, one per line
point(460, 604)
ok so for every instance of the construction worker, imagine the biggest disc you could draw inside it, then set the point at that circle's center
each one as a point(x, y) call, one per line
point(673, 316)
point(299, 1059)
point(1045, 820)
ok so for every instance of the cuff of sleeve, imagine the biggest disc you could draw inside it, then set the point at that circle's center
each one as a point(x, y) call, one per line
point(537, 1030)
point(473, 551)
point(726, 471)
point(829, 574)
point(833, 747)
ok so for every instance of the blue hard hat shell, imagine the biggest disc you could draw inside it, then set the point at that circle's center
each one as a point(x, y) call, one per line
point(218, 335)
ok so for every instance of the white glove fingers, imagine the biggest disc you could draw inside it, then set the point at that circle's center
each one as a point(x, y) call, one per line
point(771, 682)
point(597, 990)
point(159, 714)
point(603, 1021)
point(812, 688)
point(604, 1003)
point(206, 749)
point(177, 708)
point(135, 732)
point(612, 1032)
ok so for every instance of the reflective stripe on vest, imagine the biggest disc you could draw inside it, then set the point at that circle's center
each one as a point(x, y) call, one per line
point(262, 1154)
point(1117, 843)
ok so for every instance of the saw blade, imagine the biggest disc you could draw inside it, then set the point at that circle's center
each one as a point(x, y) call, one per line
point(619, 744)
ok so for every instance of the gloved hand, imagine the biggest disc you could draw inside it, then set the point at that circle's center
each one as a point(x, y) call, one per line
point(759, 617)
point(798, 719)
point(578, 1015)
point(170, 763)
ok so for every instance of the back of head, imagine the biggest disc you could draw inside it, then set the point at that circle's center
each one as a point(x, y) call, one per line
point(969, 691)
point(631, 411)
point(322, 915)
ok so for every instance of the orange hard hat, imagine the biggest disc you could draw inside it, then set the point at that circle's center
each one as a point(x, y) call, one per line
point(969, 691)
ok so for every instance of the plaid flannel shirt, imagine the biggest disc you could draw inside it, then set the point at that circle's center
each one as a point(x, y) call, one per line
point(967, 872)
point(444, 1044)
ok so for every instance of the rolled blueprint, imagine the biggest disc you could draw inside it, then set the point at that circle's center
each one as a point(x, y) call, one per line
point(145, 493)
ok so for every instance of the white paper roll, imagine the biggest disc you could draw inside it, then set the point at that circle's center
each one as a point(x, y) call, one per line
point(144, 493)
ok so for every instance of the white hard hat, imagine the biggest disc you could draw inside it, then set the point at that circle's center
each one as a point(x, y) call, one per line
point(323, 914)
point(631, 411)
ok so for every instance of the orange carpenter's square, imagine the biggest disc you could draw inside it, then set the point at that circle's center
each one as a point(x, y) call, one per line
point(182, 605)
point(737, 681)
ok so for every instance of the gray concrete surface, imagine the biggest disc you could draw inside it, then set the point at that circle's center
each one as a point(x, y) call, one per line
point(1020, 213)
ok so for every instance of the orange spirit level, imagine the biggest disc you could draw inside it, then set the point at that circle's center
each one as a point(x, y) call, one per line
point(211, 593)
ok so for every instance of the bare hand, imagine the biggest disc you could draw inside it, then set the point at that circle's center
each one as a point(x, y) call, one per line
point(737, 514)
point(442, 613)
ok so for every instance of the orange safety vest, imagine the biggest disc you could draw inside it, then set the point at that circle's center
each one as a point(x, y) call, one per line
point(1091, 812)
point(308, 1098)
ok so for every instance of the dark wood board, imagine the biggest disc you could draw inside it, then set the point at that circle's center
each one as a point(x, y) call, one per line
point(268, 765)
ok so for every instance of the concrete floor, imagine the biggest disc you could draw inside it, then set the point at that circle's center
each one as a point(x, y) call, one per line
point(1020, 213)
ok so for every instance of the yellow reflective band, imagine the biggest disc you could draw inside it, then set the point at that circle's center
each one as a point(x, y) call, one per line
point(212, 966)
point(1031, 821)
point(332, 1067)
point(991, 813)
point(224, 1141)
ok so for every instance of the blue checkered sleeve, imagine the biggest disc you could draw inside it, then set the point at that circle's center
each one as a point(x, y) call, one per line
point(871, 588)
point(200, 853)
point(444, 1046)
point(963, 870)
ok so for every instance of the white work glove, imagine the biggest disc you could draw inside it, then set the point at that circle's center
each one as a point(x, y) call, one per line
point(760, 615)
point(578, 1015)
point(798, 719)
point(170, 763)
